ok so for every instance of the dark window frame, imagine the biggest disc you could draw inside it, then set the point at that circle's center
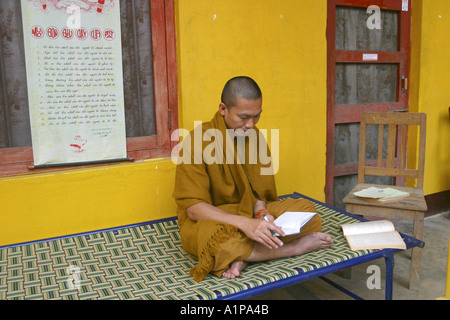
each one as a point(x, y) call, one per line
point(19, 160)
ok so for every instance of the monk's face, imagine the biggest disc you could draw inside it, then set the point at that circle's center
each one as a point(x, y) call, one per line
point(244, 115)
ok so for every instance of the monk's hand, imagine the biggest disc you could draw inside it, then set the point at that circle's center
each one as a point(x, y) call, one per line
point(260, 231)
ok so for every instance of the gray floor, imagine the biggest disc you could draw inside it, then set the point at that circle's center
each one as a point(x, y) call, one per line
point(433, 271)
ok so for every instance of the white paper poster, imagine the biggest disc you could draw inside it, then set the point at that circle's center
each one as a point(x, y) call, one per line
point(75, 83)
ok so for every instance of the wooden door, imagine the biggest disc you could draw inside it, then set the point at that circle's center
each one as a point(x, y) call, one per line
point(368, 70)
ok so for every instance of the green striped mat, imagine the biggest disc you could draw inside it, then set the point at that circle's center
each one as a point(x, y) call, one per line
point(144, 262)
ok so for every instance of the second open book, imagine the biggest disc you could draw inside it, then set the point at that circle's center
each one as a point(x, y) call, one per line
point(379, 234)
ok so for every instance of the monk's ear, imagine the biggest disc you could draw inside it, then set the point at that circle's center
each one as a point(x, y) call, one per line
point(222, 108)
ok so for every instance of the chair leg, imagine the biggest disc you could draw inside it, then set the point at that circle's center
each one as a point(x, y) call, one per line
point(416, 252)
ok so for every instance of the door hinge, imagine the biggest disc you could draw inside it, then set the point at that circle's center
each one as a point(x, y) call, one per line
point(404, 84)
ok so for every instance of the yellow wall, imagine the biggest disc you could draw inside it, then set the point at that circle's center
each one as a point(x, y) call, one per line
point(431, 95)
point(49, 205)
point(282, 45)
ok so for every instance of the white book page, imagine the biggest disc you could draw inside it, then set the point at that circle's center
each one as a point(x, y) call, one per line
point(379, 193)
point(291, 221)
point(376, 241)
point(368, 227)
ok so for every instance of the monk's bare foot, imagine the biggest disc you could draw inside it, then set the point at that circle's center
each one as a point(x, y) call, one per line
point(314, 241)
point(235, 269)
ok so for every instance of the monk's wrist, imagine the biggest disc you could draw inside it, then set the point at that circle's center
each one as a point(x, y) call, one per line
point(260, 214)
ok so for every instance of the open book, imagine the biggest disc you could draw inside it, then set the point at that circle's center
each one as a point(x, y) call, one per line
point(382, 195)
point(379, 234)
point(292, 222)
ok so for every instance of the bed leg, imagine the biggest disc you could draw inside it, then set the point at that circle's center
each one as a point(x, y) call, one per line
point(389, 260)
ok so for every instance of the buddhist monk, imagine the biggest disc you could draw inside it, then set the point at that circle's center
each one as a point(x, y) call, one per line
point(226, 205)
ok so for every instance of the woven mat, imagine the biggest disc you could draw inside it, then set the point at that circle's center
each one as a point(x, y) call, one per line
point(144, 262)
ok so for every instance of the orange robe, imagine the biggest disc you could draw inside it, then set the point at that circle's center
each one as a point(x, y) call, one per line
point(231, 187)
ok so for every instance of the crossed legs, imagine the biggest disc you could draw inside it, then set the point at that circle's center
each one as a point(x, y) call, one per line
point(310, 242)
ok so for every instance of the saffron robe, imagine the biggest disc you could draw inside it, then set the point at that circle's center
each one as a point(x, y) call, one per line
point(231, 186)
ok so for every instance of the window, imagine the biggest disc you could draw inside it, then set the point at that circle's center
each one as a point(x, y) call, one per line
point(150, 83)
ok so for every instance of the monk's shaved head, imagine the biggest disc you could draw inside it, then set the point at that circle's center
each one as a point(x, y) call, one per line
point(240, 87)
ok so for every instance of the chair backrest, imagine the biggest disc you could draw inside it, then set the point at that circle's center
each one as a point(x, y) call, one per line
point(394, 164)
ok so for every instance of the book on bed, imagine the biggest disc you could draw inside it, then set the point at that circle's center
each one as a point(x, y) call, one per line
point(379, 234)
point(292, 222)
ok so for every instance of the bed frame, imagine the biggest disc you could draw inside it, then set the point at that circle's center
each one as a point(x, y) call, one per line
point(147, 261)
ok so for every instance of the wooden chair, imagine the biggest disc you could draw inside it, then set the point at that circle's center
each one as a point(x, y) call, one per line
point(393, 165)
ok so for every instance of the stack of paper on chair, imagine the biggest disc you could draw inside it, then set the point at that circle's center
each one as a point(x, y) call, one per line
point(382, 195)
point(373, 235)
point(292, 222)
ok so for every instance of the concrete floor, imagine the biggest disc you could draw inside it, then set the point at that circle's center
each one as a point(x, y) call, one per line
point(433, 271)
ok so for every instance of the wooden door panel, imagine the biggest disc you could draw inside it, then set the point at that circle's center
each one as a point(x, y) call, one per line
point(368, 70)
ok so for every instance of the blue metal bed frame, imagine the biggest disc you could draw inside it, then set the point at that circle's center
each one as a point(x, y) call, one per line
point(318, 272)
point(387, 254)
